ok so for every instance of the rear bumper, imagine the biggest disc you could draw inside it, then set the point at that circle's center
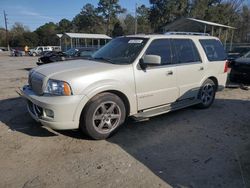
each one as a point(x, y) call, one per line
point(63, 108)
point(239, 76)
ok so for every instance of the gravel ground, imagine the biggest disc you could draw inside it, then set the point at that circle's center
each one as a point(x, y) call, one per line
point(187, 148)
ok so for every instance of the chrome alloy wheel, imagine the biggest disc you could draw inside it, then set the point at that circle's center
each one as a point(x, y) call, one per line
point(106, 117)
point(207, 94)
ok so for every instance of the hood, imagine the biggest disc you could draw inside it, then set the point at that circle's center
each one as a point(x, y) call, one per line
point(74, 68)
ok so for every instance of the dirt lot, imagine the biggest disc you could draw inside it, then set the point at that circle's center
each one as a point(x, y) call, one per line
point(188, 148)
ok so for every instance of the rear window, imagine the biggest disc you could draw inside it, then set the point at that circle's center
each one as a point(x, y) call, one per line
point(213, 49)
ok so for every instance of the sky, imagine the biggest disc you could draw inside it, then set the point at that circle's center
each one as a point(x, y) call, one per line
point(34, 13)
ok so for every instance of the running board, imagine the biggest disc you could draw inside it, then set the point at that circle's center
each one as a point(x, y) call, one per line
point(145, 114)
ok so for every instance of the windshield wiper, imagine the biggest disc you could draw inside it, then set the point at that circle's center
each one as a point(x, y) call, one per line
point(103, 59)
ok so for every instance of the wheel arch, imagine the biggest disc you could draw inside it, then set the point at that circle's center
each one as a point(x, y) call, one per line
point(86, 99)
point(215, 80)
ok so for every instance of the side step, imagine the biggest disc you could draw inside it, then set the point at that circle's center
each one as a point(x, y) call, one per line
point(146, 114)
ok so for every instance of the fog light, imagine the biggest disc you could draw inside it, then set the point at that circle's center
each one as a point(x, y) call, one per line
point(49, 113)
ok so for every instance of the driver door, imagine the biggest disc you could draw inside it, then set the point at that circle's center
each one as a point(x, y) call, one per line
point(157, 84)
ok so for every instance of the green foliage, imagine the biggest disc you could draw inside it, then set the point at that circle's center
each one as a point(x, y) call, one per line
point(163, 12)
point(88, 20)
point(64, 26)
point(47, 34)
point(143, 21)
point(118, 30)
point(2, 37)
point(109, 10)
point(129, 23)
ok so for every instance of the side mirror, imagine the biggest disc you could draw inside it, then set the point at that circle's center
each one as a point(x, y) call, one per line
point(150, 60)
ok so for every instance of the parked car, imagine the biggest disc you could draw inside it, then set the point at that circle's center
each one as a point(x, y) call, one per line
point(73, 53)
point(240, 70)
point(139, 76)
point(40, 49)
point(238, 52)
point(16, 53)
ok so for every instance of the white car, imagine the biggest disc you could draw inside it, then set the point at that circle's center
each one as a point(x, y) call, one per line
point(39, 49)
point(139, 76)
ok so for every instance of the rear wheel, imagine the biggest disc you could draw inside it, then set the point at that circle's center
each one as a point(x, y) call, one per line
point(102, 116)
point(207, 94)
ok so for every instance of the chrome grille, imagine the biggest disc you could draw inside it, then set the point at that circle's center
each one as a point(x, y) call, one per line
point(36, 83)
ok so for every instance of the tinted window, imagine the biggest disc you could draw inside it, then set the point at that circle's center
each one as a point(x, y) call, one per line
point(185, 51)
point(213, 49)
point(161, 48)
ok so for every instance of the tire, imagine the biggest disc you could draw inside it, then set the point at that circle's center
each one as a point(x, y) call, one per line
point(102, 116)
point(207, 94)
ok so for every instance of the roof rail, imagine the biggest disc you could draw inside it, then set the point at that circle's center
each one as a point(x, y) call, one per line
point(186, 33)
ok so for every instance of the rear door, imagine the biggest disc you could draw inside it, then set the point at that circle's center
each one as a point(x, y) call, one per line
point(190, 69)
point(157, 85)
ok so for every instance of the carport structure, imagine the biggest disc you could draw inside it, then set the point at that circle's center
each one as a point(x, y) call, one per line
point(195, 25)
point(74, 40)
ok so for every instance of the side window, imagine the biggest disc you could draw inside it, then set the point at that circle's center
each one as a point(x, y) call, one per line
point(160, 47)
point(185, 51)
point(213, 49)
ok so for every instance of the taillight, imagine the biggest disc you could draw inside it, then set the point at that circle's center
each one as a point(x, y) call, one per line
point(226, 66)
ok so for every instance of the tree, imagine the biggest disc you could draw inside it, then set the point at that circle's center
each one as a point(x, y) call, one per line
point(47, 34)
point(129, 23)
point(118, 30)
point(110, 9)
point(64, 26)
point(17, 35)
point(163, 12)
point(2, 37)
point(143, 20)
point(88, 20)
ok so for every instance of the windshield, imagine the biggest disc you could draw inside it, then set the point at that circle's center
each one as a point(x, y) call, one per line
point(123, 50)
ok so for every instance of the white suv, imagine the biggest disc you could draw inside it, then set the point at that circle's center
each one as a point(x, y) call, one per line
point(139, 76)
point(39, 49)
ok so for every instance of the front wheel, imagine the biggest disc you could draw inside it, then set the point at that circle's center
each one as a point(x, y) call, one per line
point(207, 94)
point(102, 116)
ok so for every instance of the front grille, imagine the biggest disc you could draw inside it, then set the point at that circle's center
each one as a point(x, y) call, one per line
point(36, 83)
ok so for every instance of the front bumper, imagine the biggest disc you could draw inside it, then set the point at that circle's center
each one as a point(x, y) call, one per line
point(63, 107)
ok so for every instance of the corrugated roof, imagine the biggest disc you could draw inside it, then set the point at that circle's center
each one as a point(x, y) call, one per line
point(87, 36)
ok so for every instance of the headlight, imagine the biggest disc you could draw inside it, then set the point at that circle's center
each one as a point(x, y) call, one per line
point(57, 87)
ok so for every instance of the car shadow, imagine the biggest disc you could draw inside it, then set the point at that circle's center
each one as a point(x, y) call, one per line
point(13, 113)
point(185, 148)
point(194, 148)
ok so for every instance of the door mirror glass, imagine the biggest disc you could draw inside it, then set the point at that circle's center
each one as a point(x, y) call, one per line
point(152, 60)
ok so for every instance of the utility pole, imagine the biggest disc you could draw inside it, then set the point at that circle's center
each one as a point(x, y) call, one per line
point(6, 30)
point(135, 18)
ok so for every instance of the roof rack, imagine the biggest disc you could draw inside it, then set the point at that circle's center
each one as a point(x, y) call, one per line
point(186, 33)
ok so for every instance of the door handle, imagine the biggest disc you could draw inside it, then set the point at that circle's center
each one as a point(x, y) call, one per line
point(169, 73)
point(201, 68)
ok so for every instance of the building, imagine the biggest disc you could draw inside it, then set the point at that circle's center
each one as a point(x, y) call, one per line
point(73, 40)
